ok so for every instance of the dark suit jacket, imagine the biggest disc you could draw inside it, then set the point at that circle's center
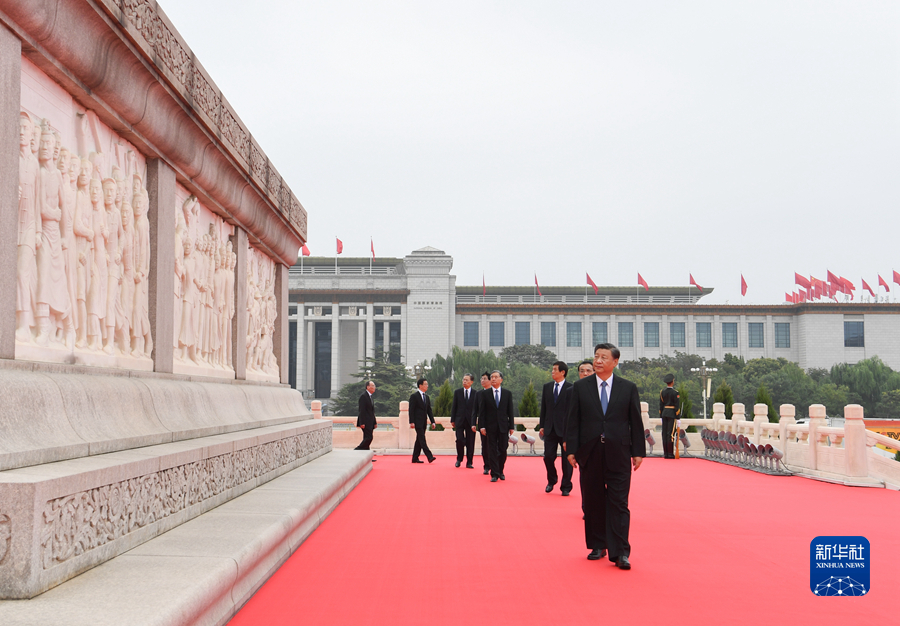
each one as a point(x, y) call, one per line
point(366, 414)
point(462, 413)
point(555, 414)
point(420, 412)
point(621, 425)
point(490, 416)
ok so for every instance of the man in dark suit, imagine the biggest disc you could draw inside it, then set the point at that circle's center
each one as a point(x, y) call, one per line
point(605, 438)
point(462, 413)
point(366, 416)
point(419, 413)
point(485, 385)
point(496, 422)
point(554, 412)
point(669, 411)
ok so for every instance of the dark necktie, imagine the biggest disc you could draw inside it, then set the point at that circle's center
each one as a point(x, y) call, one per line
point(604, 399)
point(467, 395)
point(497, 397)
point(555, 393)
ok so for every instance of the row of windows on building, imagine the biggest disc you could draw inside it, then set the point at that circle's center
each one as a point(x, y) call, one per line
point(854, 334)
point(600, 334)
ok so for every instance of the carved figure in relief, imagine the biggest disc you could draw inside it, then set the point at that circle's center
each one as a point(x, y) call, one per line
point(219, 287)
point(99, 268)
point(190, 290)
point(52, 294)
point(84, 249)
point(229, 299)
point(29, 225)
point(261, 313)
point(143, 341)
point(114, 313)
point(126, 293)
point(69, 165)
point(5, 536)
point(201, 268)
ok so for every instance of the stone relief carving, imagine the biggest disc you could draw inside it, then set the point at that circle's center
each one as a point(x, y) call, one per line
point(77, 523)
point(262, 310)
point(83, 245)
point(5, 536)
point(204, 287)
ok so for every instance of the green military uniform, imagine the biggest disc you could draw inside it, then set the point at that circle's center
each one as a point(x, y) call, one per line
point(669, 411)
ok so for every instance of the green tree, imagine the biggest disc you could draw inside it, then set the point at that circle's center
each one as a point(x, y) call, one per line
point(444, 400)
point(763, 397)
point(687, 410)
point(889, 405)
point(866, 381)
point(392, 382)
point(724, 394)
point(529, 406)
point(525, 354)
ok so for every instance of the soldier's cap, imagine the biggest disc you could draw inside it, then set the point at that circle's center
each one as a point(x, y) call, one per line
point(669, 378)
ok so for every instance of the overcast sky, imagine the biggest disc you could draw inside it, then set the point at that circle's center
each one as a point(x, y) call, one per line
point(562, 137)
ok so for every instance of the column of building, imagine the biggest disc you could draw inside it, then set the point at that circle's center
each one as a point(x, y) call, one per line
point(10, 101)
point(302, 365)
point(335, 346)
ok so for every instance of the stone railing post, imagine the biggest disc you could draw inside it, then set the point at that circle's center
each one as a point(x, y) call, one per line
point(737, 417)
point(718, 416)
point(760, 417)
point(817, 417)
point(786, 417)
point(855, 456)
point(645, 415)
point(316, 408)
point(403, 426)
point(10, 101)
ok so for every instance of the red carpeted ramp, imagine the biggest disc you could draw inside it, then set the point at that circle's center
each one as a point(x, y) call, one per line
point(711, 544)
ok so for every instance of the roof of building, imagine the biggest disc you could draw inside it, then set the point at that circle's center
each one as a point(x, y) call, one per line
point(563, 291)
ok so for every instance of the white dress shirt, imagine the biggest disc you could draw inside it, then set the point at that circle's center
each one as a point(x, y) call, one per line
point(609, 383)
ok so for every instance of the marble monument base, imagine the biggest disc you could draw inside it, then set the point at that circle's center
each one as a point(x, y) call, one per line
point(58, 353)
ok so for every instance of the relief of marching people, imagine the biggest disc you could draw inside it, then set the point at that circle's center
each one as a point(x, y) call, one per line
point(83, 244)
point(262, 311)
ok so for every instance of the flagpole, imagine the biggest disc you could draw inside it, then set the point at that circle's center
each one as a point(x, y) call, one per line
point(335, 255)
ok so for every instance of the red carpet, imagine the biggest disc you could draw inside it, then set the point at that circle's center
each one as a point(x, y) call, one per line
point(435, 545)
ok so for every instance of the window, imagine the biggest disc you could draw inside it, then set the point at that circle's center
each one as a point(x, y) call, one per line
point(626, 334)
point(497, 332)
point(379, 337)
point(573, 334)
point(783, 335)
point(548, 333)
point(523, 333)
point(676, 335)
point(651, 334)
point(729, 335)
point(756, 335)
point(854, 335)
point(599, 332)
point(470, 334)
point(704, 334)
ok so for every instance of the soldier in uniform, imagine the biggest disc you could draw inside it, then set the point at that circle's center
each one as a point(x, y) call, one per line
point(669, 411)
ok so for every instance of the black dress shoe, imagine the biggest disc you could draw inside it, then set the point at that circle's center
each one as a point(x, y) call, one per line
point(431, 460)
point(486, 472)
point(622, 563)
point(493, 479)
point(502, 476)
point(566, 492)
point(469, 466)
point(596, 554)
point(548, 488)
point(418, 461)
point(458, 463)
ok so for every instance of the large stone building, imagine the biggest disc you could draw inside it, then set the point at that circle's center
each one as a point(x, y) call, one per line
point(340, 312)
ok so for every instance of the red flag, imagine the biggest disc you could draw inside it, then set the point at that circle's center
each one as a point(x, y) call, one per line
point(865, 286)
point(592, 284)
point(800, 280)
point(796, 298)
point(743, 286)
point(340, 245)
point(304, 250)
point(848, 285)
point(788, 297)
point(802, 294)
point(483, 286)
point(883, 283)
point(896, 277)
point(538, 287)
point(643, 282)
point(832, 278)
point(694, 282)
point(373, 248)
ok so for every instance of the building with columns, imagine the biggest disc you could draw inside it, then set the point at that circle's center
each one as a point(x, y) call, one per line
point(341, 313)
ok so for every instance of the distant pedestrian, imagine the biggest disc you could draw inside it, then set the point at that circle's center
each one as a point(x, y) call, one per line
point(485, 385)
point(462, 419)
point(366, 416)
point(669, 411)
point(419, 414)
point(554, 412)
point(496, 422)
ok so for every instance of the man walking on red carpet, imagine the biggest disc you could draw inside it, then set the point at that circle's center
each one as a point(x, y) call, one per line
point(496, 422)
point(485, 385)
point(605, 438)
point(419, 413)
